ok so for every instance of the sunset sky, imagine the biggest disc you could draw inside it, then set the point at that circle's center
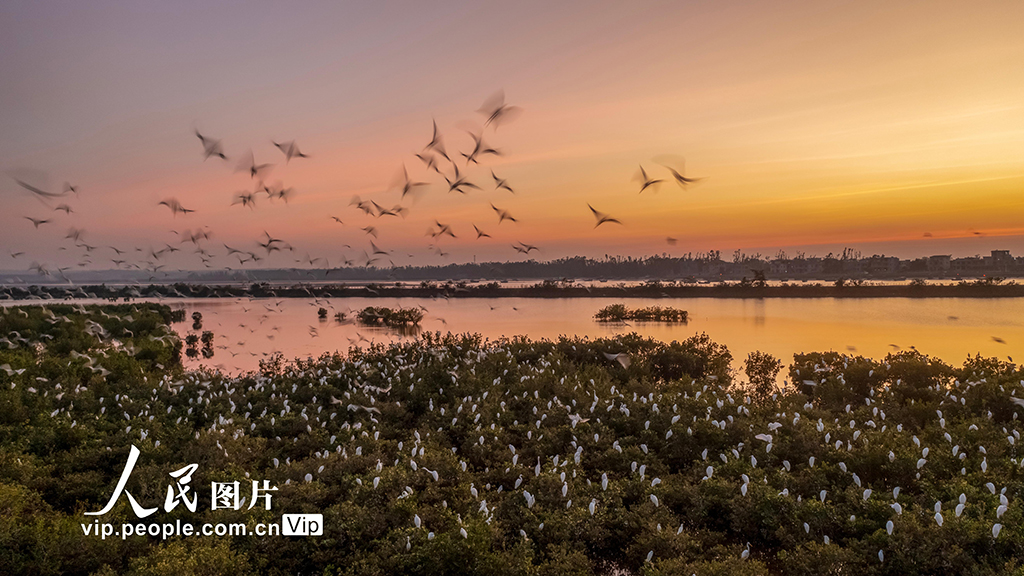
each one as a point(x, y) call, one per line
point(815, 124)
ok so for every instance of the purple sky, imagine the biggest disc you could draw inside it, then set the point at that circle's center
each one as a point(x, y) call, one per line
point(817, 125)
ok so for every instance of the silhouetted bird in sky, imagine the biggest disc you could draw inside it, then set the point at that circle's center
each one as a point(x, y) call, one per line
point(175, 206)
point(442, 230)
point(602, 218)
point(408, 185)
point(680, 179)
point(503, 214)
point(436, 144)
point(37, 192)
point(501, 183)
point(645, 180)
point(479, 149)
point(497, 112)
point(430, 161)
point(290, 150)
point(458, 182)
point(245, 199)
point(211, 147)
point(249, 165)
point(365, 206)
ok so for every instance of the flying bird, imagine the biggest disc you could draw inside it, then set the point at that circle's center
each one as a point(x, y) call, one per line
point(602, 218)
point(429, 160)
point(501, 183)
point(245, 199)
point(524, 248)
point(497, 112)
point(645, 180)
point(503, 214)
point(622, 358)
point(479, 149)
point(683, 181)
point(39, 193)
point(290, 150)
point(248, 164)
point(480, 233)
point(175, 206)
point(458, 182)
point(365, 206)
point(408, 185)
point(211, 147)
point(278, 191)
point(395, 211)
point(36, 221)
point(436, 144)
point(442, 229)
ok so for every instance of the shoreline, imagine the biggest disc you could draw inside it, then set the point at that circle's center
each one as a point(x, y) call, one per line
point(543, 290)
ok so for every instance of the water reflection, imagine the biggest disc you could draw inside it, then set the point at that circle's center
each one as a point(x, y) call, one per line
point(759, 312)
point(949, 328)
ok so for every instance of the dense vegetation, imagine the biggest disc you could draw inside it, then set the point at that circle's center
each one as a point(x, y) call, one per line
point(453, 455)
point(392, 318)
point(620, 313)
point(757, 288)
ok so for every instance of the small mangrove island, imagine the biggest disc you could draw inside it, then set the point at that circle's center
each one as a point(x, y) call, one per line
point(383, 316)
point(619, 313)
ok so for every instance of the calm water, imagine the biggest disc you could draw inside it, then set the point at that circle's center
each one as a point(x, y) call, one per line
point(949, 328)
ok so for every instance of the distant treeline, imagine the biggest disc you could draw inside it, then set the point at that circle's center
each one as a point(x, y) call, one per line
point(545, 289)
point(848, 266)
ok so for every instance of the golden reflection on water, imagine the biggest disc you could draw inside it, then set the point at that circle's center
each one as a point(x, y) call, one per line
point(949, 328)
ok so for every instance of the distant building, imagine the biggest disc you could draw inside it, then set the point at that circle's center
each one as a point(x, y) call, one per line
point(972, 265)
point(778, 267)
point(853, 266)
point(941, 263)
point(1001, 260)
point(882, 265)
point(805, 266)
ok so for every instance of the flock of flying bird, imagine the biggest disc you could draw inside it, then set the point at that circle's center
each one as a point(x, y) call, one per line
point(453, 173)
